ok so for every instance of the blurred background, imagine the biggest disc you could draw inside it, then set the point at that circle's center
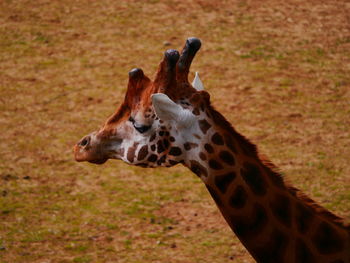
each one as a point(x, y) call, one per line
point(278, 70)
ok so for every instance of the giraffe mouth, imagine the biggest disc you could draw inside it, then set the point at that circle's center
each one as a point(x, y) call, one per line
point(86, 155)
point(84, 158)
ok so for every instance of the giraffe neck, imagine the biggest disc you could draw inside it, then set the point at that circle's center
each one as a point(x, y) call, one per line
point(274, 221)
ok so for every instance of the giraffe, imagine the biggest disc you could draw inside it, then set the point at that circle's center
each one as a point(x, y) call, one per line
point(169, 121)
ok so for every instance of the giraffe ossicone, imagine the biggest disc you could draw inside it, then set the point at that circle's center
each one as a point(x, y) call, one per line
point(169, 121)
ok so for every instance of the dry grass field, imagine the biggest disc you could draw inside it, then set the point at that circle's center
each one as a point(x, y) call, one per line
point(278, 70)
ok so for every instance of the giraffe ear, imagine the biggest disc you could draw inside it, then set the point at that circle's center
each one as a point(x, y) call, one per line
point(167, 110)
point(197, 83)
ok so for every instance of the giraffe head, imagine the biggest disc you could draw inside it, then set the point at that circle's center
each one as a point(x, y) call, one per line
point(150, 127)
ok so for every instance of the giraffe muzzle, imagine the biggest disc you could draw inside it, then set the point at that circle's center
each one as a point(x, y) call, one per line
point(87, 150)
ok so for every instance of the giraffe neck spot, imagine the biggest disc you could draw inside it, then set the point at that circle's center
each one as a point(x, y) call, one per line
point(215, 165)
point(238, 198)
point(247, 228)
point(208, 148)
point(217, 139)
point(251, 174)
point(175, 151)
point(198, 169)
point(204, 125)
point(327, 240)
point(227, 157)
point(281, 209)
point(189, 145)
point(303, 252)
point(274, 249)
point(223, 181)
point(303, 218)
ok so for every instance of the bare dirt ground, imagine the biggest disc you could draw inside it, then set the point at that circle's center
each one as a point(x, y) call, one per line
point(278, 70)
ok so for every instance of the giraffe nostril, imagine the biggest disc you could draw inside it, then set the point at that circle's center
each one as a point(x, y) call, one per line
point(84, 142)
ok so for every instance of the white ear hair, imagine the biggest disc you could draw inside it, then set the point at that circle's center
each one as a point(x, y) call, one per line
point(168, 110)
point(197, 83)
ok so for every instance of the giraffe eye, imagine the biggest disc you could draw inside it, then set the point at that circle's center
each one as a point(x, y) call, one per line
point(139, 127)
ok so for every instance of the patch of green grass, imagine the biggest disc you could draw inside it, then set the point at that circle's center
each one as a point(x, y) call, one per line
point(35, 236)
point(262, 52)
point(77, 247)
point(83, 259)
point(40, 37)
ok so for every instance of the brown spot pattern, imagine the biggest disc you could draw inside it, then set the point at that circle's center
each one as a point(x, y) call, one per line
point(230, 144)
point(217, 139)
point(204, 126)
point(274, 250)
point(175, 151)
point(227, 157)
point(166, 143)
point(196, 111)
point(152, 158)
point(189, 145)
point(213, 164)
point(202, 156)
point(142, 153)
point(131, 153)
point(239, 197)
point(208, 148)
point(252, 176)
point(215, 196)
point(197, 136)
point(173, 162)
point(152, 137)
point(160, 147)
point(281, 209)
point(303, 253)
point(161, 160)
point(223, 181)
point(327, 240)
point(303, 218)
point(198, 169)
point(251, 226)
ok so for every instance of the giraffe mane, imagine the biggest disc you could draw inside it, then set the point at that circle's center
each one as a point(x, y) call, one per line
point(318, 209)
